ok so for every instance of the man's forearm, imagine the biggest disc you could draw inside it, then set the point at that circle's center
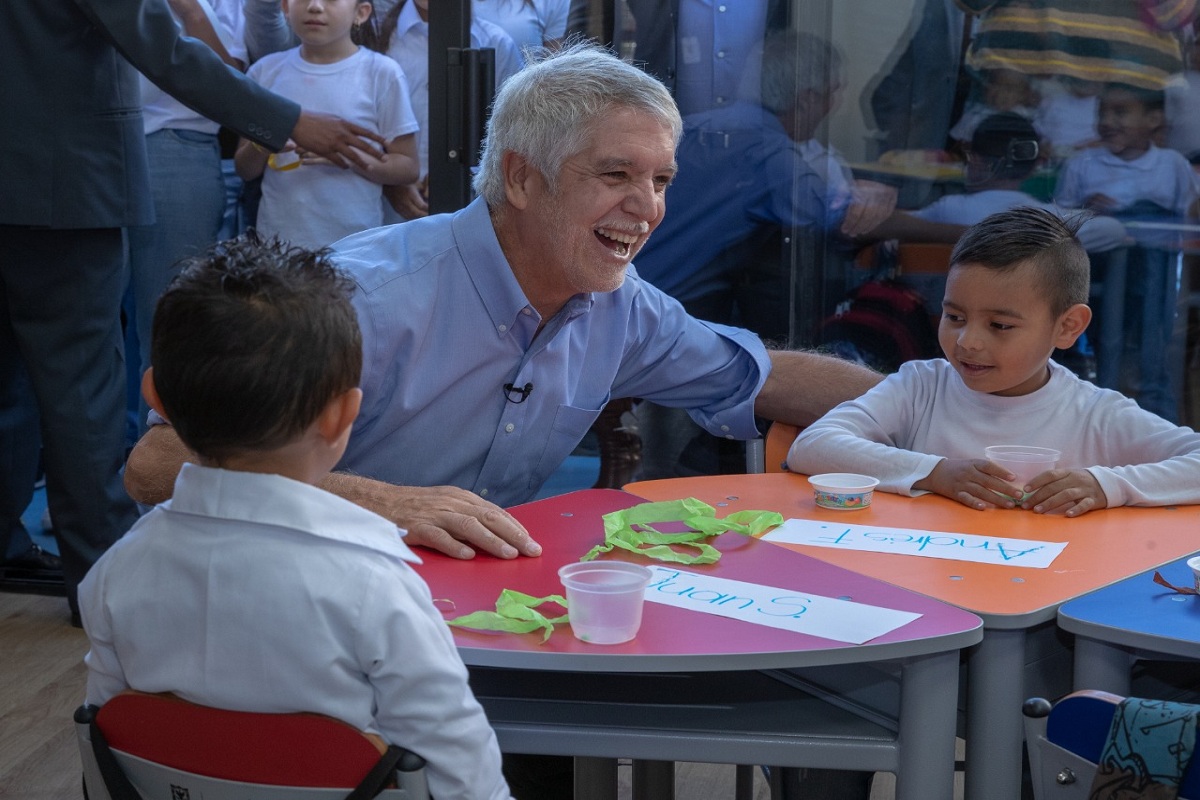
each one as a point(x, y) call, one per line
point(803, 385)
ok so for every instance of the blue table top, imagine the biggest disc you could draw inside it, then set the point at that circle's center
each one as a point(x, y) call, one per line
point(1137, 612)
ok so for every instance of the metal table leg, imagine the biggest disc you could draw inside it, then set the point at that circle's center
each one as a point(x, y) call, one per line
point(995, 692)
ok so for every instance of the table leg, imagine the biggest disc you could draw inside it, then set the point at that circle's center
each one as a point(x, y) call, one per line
point(928, 707)
point(653, 780)
point(595, 778)
point(1102, 666)
point(995, 692)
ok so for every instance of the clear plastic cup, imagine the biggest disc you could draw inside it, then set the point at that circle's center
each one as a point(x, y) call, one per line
point(1025, 462)
point(1194, 563)
point(604, 599)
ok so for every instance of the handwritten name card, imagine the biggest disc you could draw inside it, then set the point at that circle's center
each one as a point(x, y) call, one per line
point(931, 544)
point(789, 609)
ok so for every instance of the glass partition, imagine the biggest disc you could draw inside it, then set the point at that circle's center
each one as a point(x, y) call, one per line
point(827, 144)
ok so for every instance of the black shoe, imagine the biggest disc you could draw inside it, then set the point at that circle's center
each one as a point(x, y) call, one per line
point(33, 572)
point(33, 559)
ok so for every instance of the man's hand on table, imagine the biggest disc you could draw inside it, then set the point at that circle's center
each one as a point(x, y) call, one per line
point(443, 518)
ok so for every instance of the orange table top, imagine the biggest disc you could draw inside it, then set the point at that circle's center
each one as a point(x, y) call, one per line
point(1103, 546)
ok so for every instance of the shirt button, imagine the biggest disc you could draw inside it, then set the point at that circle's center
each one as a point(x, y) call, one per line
point(483, 492)
point(725, 428)
point(509, 428)
point(720, 54)
point(720, 100)
point(526, 311)
point(502, 328)
point(729, 436)
point(721, 9)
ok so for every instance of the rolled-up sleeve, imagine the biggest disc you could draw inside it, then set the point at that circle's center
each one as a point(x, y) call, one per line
point(673, 359)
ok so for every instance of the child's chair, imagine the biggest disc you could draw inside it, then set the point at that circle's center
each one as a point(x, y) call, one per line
point(1066, 741)
point(158, 747)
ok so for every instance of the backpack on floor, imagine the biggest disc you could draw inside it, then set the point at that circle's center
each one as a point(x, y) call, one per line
point(882, 323)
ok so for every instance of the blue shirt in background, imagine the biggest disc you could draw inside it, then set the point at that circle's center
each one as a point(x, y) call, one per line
point(738, 171)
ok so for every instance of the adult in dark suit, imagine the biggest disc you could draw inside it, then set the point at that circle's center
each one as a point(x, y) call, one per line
point(74, 173)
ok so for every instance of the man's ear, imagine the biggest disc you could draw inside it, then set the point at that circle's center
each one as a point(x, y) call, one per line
point(1071, 324)
point(151, 393)
point(338, 416)
point(518, 174)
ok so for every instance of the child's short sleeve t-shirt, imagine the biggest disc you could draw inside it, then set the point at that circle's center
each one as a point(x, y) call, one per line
point(1159, 176)
point(314, 206)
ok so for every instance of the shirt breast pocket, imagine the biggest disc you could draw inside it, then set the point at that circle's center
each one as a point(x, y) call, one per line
point(570, 425)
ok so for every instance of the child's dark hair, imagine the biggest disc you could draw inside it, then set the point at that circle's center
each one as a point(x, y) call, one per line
point(1041, 238)
point(366, 34)
point(251, 342)
point(1151, 99)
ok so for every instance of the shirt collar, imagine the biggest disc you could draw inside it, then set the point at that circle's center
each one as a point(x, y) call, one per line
point(239, 497)
point(410, 18)
point(487, 267)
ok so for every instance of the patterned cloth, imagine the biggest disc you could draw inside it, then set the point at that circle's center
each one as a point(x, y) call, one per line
point(1149, 746)
point(1111, 41)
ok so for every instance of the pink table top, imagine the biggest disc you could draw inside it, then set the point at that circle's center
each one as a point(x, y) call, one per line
point(673, 639)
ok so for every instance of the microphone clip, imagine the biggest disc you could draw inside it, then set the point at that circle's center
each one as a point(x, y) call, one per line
point(524, 392)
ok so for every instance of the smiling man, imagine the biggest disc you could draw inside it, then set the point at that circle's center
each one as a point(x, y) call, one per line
point(494, 336)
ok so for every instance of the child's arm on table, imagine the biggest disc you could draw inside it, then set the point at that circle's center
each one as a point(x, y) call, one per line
point(868, 435)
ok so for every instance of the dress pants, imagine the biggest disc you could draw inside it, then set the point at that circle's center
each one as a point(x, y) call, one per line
point(20, 444)
point(60, 295)
point(189, 205)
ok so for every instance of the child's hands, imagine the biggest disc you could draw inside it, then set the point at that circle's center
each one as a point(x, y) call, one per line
point(977, 483)
point(409, 200)
point(1074, 490)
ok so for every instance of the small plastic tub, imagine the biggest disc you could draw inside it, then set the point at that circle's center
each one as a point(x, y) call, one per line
point(1194, 563)
point(843, 491)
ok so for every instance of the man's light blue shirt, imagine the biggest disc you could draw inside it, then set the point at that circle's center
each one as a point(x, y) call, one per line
point(445, 327)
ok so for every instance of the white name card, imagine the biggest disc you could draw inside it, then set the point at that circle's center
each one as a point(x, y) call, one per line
point(931, 544)
point(789, 609)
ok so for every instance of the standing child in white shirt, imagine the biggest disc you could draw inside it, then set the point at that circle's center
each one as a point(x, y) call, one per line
point(252, 589)
point(307, 200)
point(1017, 289)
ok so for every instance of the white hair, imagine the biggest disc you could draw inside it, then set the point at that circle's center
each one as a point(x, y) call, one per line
point(546, 112)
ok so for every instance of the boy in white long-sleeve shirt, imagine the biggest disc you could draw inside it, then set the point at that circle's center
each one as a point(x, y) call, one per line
point(1017, 289)
point(252, 589)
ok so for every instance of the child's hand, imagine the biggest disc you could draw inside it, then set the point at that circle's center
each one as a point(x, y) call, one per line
point(1075, 490)
point(977, 483)
point(409, 200)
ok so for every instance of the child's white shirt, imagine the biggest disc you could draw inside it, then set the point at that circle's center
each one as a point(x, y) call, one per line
point(903, 427)
point(1163, 177)
point(314, 206)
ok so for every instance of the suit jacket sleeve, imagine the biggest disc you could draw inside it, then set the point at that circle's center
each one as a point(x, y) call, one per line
point(146, 35)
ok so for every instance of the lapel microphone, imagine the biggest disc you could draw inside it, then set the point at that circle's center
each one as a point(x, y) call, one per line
point(524, 392)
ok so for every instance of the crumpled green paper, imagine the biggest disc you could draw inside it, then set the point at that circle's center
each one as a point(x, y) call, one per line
point(515, 612)
point(632, 529)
